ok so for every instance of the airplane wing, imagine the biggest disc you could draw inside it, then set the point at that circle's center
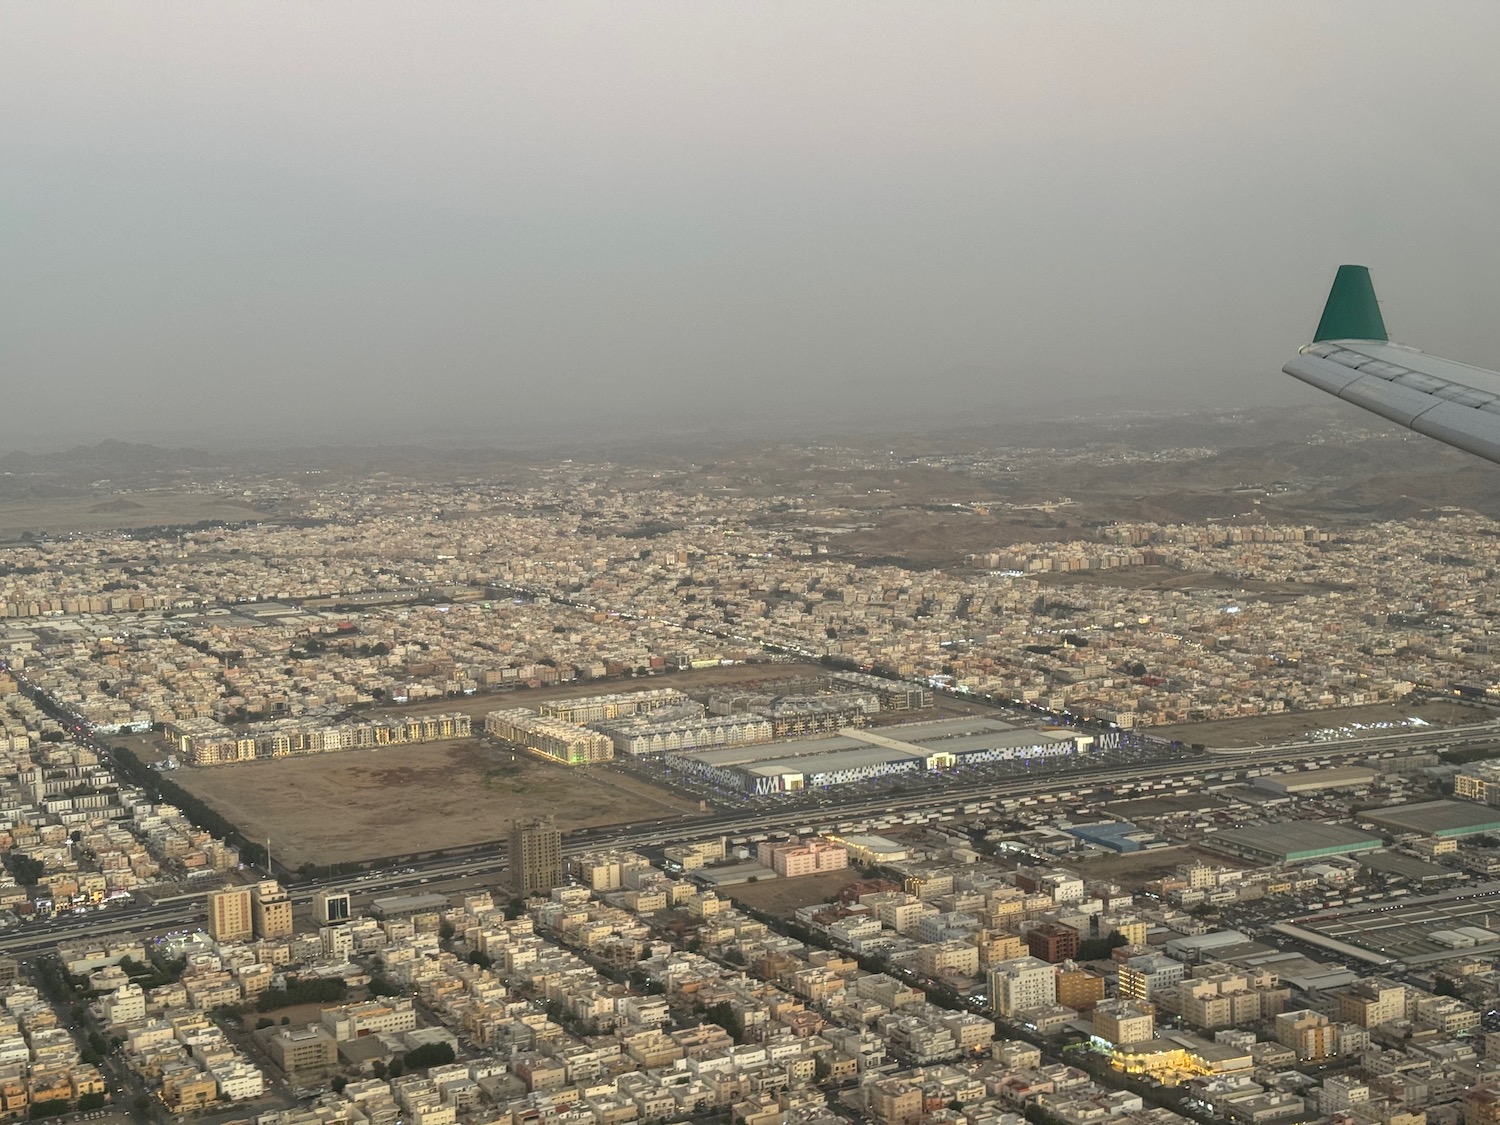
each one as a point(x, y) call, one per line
point(1352, 357)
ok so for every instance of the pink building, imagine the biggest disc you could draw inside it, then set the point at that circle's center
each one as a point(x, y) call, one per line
point(791, 858)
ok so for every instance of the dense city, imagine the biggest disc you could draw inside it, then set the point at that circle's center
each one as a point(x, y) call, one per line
point(910, 845)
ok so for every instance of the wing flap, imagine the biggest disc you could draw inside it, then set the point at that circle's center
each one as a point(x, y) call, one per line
point(1401, 405)
point(1321, 373)
point(1473, 431)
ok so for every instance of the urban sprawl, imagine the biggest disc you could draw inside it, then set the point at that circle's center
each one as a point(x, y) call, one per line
point(1095, 926)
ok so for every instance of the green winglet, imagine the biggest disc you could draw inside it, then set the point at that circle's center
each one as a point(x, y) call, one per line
point(1352, 313)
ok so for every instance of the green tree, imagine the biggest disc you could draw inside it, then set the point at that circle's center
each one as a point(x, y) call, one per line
point(446, 930)
point(724, 1015)
point(428, 1055)
point(382, 986)
point(27, 871)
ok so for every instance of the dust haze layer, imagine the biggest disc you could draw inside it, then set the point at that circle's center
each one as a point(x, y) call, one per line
point(281, 223)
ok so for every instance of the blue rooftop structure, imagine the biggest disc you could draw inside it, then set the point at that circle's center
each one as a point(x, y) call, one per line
point(1115, 834)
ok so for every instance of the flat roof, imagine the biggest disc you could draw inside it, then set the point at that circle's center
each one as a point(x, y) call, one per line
point(732, 874)
point(1404, 931)
point(770, 751)
point(1405, 866)
point(1337, 777)
point(1295, 838)
point(922, 739)
point(1437, 818)
point(410, 904)
point(934, 729)
point(852, 759)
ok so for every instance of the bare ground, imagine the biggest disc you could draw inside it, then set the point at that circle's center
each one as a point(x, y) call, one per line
point(1260, 729)
point(782, 897)
point(361, 804)
point(102, 512)
point(1134, 868)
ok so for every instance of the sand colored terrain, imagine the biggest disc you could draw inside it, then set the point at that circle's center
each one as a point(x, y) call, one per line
point(362, 804)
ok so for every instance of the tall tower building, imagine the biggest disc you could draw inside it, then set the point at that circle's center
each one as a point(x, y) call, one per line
point(535, 856)
point(270, 910)
point(229, 916)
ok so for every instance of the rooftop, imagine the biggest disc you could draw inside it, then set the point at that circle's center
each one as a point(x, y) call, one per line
point(1294, 838)
point(1438, 818)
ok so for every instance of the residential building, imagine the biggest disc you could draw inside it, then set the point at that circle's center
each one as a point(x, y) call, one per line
point(1022, 983)
point(792, 858)
point(230, 918)
point(536, 864)
point(1052, 942)
point(270, 910)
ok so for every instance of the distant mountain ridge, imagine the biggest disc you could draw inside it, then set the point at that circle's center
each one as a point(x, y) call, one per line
point(107, 455)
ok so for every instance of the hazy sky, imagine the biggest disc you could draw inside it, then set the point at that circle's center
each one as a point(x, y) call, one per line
point(362, 220)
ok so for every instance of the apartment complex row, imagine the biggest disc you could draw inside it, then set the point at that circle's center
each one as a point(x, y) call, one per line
point(204, 742)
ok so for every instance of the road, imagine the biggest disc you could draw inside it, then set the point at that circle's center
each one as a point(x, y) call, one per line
point(187, 910)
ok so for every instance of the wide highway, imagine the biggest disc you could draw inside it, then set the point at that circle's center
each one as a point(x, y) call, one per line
point(185, 911)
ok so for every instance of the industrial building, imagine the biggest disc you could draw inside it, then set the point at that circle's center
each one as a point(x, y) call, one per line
point(1311, 781)
point(1292, 841)
point(857, 755)
point(1437, 818)
point(1117, 835)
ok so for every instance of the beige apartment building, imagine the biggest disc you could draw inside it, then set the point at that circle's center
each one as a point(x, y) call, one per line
point(270, 910)
point(1121, 1021)
point(536, 864)
point(230, 917)
point(563, 742)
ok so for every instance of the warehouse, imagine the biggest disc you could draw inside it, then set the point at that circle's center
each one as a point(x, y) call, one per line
point(1394, 865)
point(1313, 781)
point(1437, 818)
point(859, 755)
point(1292, 841)
point(1118, 835)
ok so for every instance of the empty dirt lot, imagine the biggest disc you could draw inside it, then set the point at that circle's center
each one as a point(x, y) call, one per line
point(361, 804)
point(1131, 868)
point(782, 897)
point(1290, 725)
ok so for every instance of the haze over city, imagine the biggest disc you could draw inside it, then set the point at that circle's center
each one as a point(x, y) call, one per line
point(756, 564)
point(276, 223)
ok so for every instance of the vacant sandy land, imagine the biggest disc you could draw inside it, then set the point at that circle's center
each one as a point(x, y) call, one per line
point(119, 510)
point(1134, 868)
point(361, 804)
point(1291, 725)
point(782, 897)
